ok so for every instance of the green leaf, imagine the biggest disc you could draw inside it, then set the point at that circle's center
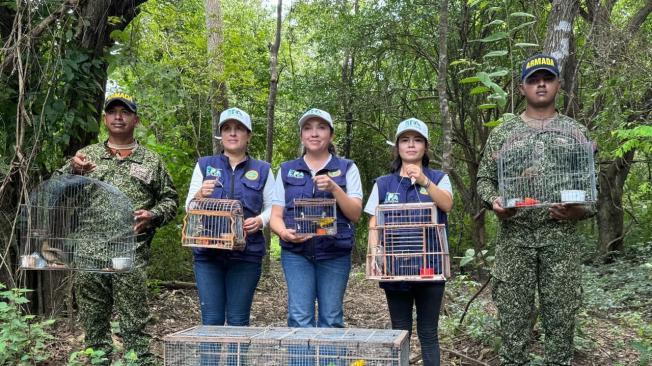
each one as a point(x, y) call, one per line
point(520, 26)
point(492, 38)
point(460, 62)
point(493, 123)
point(496, 53)
point(469, 80)
point(495, 22)
point(465, 260)
point(487, 106)
point(479, 90)
point(524, 45)
point(520, 14)
point(499, 73)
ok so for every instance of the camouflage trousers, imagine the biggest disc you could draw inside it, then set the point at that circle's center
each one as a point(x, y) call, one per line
point(519, 271)
point(98, 294)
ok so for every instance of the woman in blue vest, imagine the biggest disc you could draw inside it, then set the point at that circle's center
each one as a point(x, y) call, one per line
point(226, 280)
point(410, 181)
point(316, 268)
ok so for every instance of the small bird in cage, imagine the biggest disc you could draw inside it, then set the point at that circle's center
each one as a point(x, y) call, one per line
point(53, 256)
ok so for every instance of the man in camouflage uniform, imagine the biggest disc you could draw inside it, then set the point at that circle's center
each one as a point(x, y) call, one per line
point(535, 247)
point(140, 174)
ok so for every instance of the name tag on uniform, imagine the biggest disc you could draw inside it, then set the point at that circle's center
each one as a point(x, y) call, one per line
point(141, 173)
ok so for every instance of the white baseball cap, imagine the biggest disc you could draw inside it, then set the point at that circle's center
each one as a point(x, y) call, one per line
point(316, 113)
point(412, 124)
point(236, 114)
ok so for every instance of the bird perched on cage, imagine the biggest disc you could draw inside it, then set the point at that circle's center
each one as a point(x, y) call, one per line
point(325, 221)
point(357, 363)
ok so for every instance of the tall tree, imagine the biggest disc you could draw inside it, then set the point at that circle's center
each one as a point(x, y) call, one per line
point(442, 90)
point(218, 98)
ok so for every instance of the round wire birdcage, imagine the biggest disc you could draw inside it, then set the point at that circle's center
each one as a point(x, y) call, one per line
point(546, 165)
point(74, 222)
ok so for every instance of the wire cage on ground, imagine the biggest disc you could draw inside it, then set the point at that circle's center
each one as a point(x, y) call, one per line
point(72, 222)
point(547, 165)
point(233, 346)
point(407, 244)
point(315, 216)
point(214, 223)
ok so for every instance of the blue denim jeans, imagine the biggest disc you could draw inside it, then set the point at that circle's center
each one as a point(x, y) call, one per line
point(226, 290)
point(309, 280)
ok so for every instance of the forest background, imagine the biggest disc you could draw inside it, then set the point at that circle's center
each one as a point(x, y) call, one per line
point(454, 65)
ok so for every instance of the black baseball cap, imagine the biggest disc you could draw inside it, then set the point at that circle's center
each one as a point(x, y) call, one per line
point(123, 98)
point(538, 62)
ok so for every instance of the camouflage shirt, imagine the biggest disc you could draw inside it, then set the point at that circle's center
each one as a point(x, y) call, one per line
point(515, 132)
point(141, 176)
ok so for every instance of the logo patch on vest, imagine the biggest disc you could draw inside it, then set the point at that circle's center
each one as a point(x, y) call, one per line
point(251, 175)
point(141, 173)
point(335, 173)
point(391, 197)
point(213, 172)
point(423, 190)
point(295, 174)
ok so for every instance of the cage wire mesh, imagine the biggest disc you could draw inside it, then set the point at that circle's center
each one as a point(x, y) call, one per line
point(234, 346)
point(214, 223)
point(407, 244)
point(72, 222)
point(543, 166)
point(315, 216)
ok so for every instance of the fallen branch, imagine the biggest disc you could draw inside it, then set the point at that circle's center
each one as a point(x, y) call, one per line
point(468, 304)
point(461, 355)
point(177, 285)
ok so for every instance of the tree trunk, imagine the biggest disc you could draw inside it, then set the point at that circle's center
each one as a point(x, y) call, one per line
point(94, 37)
point(348, 71)
point(271, 104)
point(560, 43)
point(218, 99)
point(610, 204)
point(447, 147)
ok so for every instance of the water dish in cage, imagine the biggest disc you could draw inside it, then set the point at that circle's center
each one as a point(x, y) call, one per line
point(121, 263)
point(573, 196)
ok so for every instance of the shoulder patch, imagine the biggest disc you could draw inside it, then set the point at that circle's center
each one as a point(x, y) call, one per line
point(335, 173)
point(251, 174)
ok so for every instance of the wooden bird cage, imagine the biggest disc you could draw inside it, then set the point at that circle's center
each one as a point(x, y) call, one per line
point(542, 166)
point(315, 216)
point(278, 346)
point(72, 222)
point(407, 244)
point(214, 223)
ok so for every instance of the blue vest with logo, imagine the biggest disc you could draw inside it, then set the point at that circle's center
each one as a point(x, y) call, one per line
point(245, 184)
point(393, 188)
point(298, 183)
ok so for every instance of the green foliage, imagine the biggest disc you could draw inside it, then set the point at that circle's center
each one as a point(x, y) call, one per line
point(90, 356)
point(23, 339)
point(480, 321)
